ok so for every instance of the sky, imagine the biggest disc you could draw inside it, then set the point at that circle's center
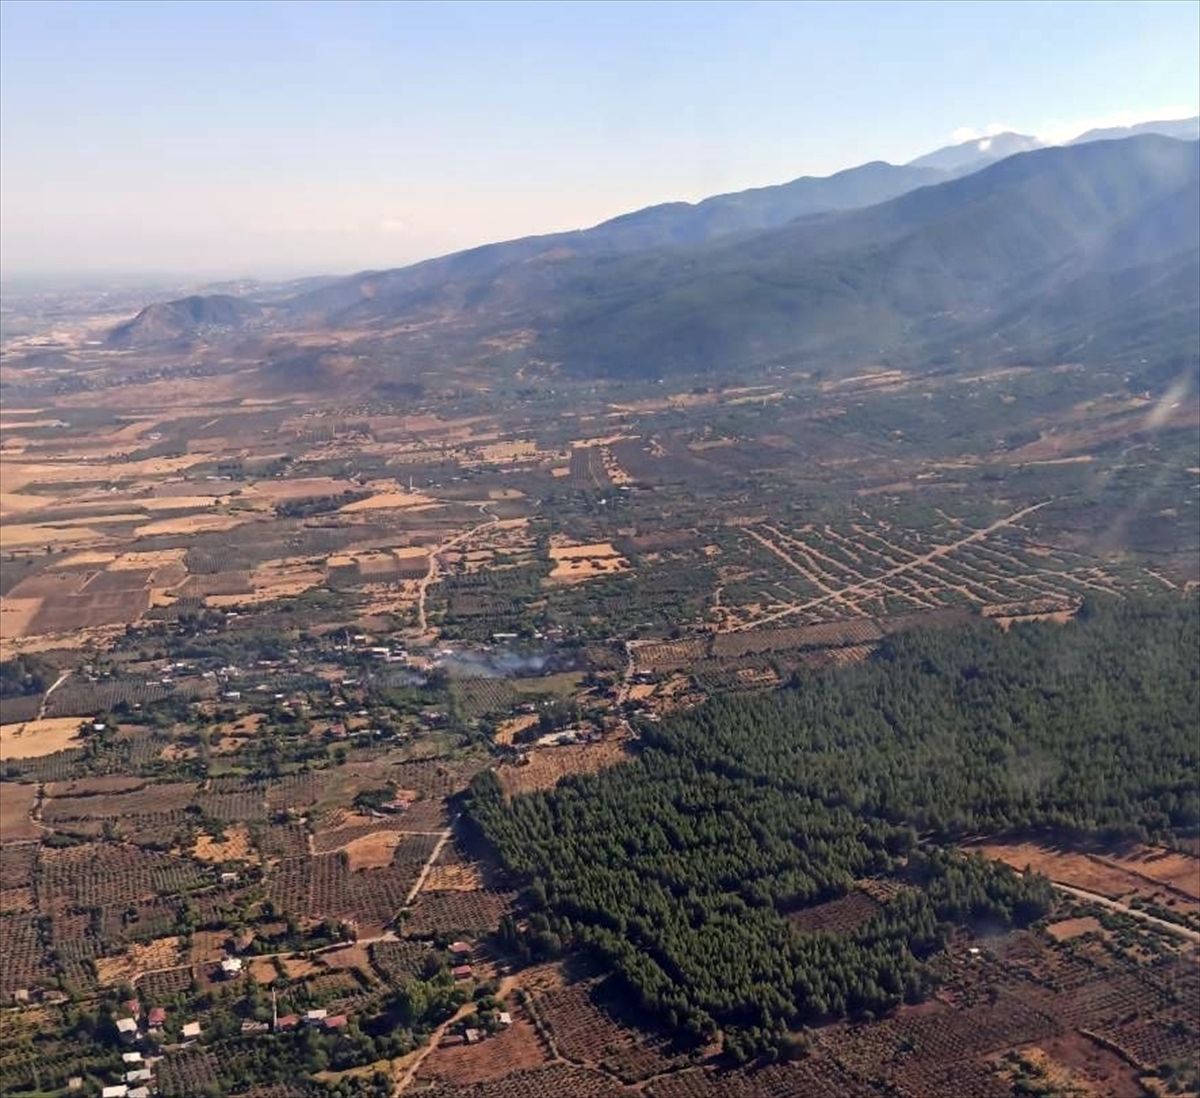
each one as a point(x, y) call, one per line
point(278, 139)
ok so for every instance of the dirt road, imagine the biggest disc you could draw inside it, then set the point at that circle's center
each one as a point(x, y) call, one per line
point(1142, 916)
point(434, 572)
point(866, 585)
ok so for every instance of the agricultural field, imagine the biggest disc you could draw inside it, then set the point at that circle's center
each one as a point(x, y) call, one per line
point(258, 649)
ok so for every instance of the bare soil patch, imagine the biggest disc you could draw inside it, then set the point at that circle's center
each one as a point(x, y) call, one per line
point(299, 967)
point(1139, 871)
point(16, 801)
point(1073, 928)
point(514, 1048)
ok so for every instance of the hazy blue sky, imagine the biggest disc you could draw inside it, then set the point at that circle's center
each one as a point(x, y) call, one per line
point(273, 138)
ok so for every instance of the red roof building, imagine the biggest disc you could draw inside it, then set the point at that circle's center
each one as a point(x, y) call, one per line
point(157, 1017)
point(335, 1021)
point(288, 1021)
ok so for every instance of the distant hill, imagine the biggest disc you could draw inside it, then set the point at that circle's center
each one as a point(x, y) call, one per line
point(1186, 129)
point(970, 156)
point(185, 319)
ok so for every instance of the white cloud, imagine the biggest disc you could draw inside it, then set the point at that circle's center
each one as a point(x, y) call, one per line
point(968, 133)
point(393, 225)
point(1058, 132)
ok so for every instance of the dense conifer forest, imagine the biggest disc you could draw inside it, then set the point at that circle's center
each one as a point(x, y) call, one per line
point(680, 868)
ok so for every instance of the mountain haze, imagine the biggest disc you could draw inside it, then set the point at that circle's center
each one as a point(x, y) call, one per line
point(1086, 250)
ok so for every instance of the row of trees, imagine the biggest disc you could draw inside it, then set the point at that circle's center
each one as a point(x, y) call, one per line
point(679, 869)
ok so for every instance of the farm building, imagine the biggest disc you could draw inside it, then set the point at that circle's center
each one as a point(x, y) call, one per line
point(504, 1018)
point(119, 1090)
point(157, 1017)
point(461, 972)
point(460, 949)
point(126, 1029)
point(190, 1031)
point(131, 1057)
point(231, 967)
point(315, 1017)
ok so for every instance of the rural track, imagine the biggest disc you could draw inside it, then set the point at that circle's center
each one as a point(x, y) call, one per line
point(866, 585)
point(41, 714)
point(435, 1038)
point(443, 839)
point(1191, 935)
point(433, 574)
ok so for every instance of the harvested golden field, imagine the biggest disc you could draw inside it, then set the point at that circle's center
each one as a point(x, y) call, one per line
point(389, 500)
point(574, 563)
point(17, 535)
point(546, 766)
point(191, 524)
point(453, 878)
point(16, 615)
point(32, 739)
point(139, 958)
point(506, 730)
point(139, 560)
point(372, 851)
point(237, 846)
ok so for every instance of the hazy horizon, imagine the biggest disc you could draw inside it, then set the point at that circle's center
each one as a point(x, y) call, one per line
point(190, 141)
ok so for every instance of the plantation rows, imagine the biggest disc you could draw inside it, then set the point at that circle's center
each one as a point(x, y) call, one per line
point(453, 911)
point(583, 1032)
point(23, 954)
point(394, 961)
point(101, 875)
point(323, 887)
point(553, 1081)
